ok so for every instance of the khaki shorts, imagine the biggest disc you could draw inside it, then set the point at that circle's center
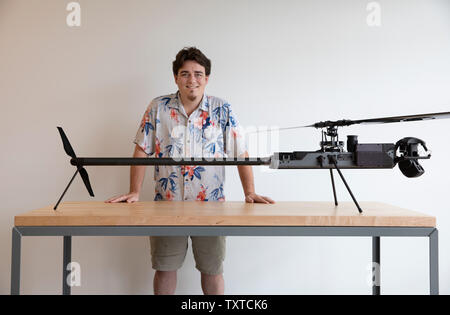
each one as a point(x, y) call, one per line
point(168, 253)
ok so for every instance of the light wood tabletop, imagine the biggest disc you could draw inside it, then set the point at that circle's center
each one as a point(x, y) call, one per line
point(229, 213)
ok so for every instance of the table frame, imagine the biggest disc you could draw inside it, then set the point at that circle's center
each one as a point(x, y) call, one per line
point(375, 232)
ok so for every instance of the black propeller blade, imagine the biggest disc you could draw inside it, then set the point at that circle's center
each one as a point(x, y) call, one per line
point(87, 183)
point(67, 147)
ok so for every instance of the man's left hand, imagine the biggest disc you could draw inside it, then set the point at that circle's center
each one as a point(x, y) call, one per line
point(252, 197)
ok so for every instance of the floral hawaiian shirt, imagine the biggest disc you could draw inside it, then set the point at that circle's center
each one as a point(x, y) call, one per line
point(212, 130)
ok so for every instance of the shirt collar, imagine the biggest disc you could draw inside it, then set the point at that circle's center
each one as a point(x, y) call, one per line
point(176, 102)
point(204, 105)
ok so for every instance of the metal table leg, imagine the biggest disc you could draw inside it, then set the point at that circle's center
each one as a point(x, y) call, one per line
point(67, 257)
point(434, 263)
point(376, 284)
point(15, 261)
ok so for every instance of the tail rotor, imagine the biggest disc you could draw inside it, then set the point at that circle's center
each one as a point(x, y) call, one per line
point(83, 173)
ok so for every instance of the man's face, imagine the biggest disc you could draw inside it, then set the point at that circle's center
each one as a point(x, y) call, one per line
point(191, 80)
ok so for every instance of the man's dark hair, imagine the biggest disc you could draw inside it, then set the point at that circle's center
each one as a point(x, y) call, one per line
point(191, 53)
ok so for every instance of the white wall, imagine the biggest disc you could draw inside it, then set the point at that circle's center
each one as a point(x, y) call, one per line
point(282, 63)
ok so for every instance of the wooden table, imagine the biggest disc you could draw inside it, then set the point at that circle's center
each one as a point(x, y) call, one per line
point(224, 218)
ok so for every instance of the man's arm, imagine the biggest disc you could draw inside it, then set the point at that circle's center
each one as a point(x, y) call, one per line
point(248, 184)
point(137, 173)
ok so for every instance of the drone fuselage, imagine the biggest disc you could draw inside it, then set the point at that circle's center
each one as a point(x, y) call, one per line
point(372, 155)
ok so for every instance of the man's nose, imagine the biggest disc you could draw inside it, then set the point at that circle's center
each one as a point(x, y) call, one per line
point(191, 78)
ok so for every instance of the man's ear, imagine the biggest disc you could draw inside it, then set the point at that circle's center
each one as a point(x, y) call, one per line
point(206, 79)
point(175, 77)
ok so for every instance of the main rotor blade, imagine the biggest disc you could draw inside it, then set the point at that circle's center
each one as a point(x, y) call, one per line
point(67, 147)
point(442, 115)
point(384, 120)
point(84, 175)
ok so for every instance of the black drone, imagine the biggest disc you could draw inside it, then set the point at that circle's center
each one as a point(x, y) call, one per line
point(331, 155)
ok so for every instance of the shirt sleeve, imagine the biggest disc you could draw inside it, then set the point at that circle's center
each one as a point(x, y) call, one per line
point(234, 135)
point(145, 136)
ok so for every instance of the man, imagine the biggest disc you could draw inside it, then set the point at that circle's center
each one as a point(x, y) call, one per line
point(189, 124)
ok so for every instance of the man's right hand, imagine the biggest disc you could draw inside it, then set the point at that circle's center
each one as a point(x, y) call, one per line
point(129, 198)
